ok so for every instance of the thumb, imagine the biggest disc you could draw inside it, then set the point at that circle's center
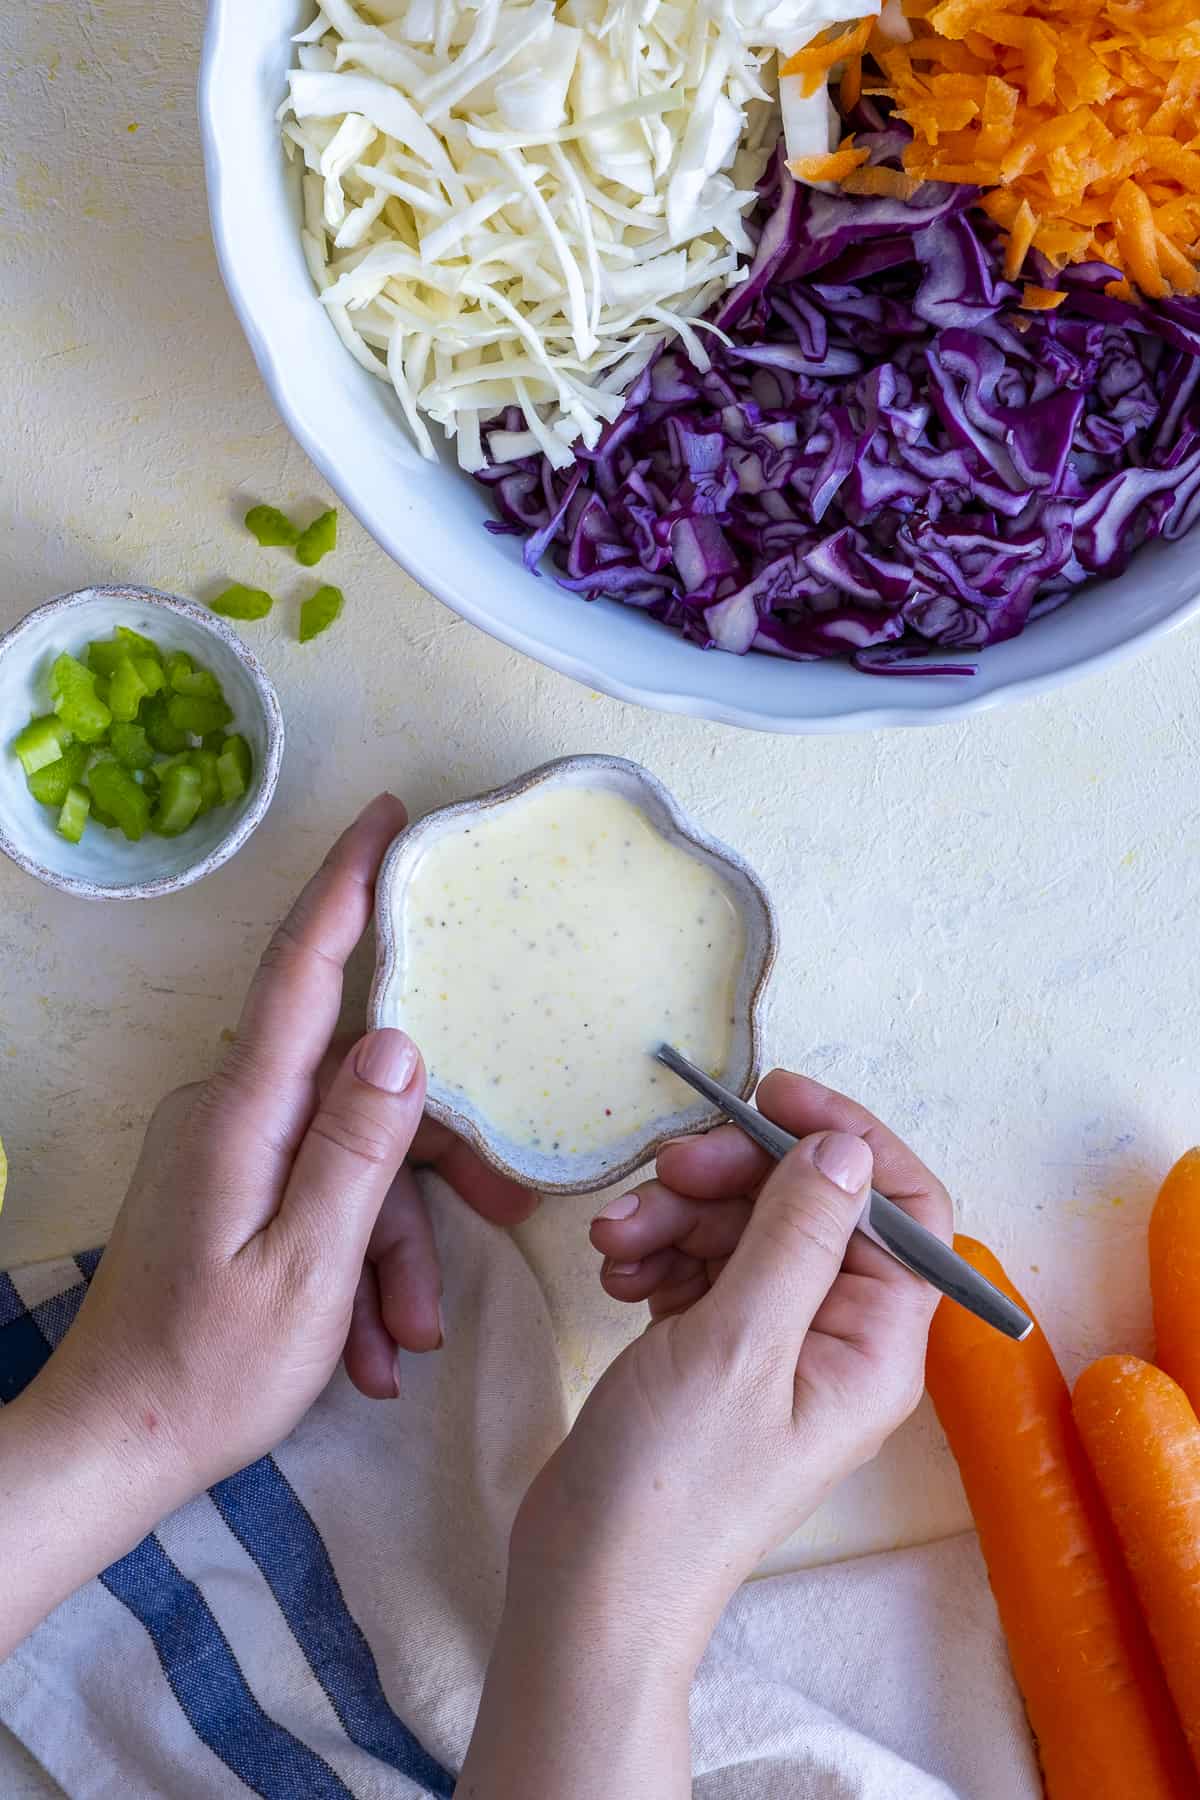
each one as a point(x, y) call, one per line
point(792, 1248)
point(355, 1144)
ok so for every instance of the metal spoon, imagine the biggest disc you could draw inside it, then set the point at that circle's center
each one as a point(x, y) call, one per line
point(885, 1223)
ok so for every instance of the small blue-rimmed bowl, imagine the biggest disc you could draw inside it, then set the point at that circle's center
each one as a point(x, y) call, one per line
point(105, 865)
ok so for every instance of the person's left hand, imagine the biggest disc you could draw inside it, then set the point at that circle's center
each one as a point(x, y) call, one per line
point(273, 1221)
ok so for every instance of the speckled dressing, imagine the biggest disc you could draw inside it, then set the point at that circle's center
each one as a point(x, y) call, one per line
point(548, 947)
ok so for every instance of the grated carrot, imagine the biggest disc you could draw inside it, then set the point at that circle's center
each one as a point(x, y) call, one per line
point(1084, 117)
point(816, 60)
point(835, 166)
point(1021, 233)
point(877, 179)
point(1040, 299)
point(850, 91)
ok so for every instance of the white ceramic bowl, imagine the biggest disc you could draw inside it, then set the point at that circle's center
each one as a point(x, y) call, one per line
point(104, 865)
point(583, 1173)
point(430, 518)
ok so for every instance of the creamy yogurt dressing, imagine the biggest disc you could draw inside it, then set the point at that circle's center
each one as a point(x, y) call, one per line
point(550, 943)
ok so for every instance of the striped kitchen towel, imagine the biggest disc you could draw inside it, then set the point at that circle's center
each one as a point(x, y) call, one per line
point(317, 1626)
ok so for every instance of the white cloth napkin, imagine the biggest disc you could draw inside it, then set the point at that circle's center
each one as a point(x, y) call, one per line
point(319, 1625)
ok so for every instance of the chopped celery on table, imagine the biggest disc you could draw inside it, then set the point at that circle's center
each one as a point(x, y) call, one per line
point(241, 602)
point(317, 539)
point(138, 741)
point(319, 612)
point(41, 742)
point(74, 815)
point(179, 799)
point(271, 527)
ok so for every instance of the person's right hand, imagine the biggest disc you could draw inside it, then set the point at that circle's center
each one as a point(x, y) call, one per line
point(782, 1353)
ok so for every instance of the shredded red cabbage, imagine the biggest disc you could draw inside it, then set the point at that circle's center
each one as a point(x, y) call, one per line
point(888, 454)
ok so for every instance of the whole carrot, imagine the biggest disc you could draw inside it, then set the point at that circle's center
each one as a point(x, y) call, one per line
point(1175, 1274)
point(1094, 1692)
point(1142, 1438)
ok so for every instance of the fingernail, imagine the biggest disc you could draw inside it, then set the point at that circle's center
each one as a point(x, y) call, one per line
point(623, 1268)
point(621, 1206)
point(386, 1060)
point(846, 1160)
point(396, 1375)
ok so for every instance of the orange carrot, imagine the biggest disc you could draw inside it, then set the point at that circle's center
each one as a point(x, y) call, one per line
point(833, 166)
point(1092, 103)
point(815, 60)
point(1093, 1690)
point(1020, 238)
point(1143, 1441)
point(1175, 1274)
point(1040, 299)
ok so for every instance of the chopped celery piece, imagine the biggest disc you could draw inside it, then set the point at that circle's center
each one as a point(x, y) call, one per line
point(198, 716)
point(51, 784)
point(130, 745)
point(115, 790)
point(319, 612)
point(205, 761)
point(76, 700)
point(317, 539)
point(271, 527)
point(42, 742)
point(178, 800)
point(214, 740)
point(137, 645)
point(104, 654)
point(103, 818)
point(178, 663)
point(198, 684)
point(126, 691)
point(240, 602)
point(149, 782)
point(233, 768)
point(168, 738)
point(154, 679)
point(74, 815)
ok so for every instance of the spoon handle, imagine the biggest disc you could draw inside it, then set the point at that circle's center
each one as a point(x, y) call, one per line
point(885, 1223)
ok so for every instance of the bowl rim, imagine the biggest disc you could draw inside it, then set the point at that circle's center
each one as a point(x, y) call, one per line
point(689, 703)
point(700, 1117)
point(247, 821)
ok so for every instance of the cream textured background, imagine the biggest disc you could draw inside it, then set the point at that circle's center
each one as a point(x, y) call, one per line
point(988, 929)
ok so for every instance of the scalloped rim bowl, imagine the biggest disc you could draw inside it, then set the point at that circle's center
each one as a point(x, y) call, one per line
point(103, 866)
point(430, 518)
point(582, 1174)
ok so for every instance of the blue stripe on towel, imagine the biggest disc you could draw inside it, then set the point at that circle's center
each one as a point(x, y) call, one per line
point(205, 1678)
point(264, 1513)
point(23, 1351)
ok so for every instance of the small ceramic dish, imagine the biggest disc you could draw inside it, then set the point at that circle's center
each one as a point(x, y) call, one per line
point(104, 865)
point(583, 1172)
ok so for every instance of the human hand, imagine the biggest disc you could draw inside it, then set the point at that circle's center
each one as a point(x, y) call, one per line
point(272, 1221)
point(782, 1353)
